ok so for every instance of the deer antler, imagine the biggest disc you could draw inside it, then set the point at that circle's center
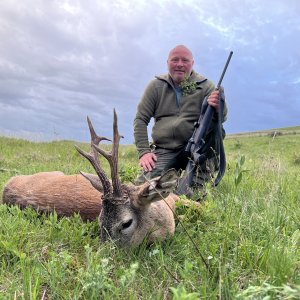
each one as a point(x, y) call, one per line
point(92, 157)
point(112, 158)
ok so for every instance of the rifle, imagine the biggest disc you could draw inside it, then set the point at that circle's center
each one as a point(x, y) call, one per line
point(196, 143)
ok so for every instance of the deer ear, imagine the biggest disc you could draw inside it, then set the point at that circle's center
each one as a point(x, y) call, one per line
point(158, 188)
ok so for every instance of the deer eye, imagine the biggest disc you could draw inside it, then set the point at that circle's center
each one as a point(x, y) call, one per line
point(127, 224)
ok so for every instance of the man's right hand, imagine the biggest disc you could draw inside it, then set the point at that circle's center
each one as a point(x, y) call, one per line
point(147, 161)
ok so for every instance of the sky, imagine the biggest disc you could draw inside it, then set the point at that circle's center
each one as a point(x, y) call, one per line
point(61, 61)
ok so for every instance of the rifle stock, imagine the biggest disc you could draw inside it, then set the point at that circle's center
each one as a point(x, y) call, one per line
point(185, 181)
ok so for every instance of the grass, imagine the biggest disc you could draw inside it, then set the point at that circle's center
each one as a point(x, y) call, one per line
point(248, 231)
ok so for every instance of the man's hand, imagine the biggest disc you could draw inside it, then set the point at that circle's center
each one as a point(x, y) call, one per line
point(213, 100)
point(147, 161)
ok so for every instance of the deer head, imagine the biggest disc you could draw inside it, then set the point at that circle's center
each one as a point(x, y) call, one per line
point(130, 213)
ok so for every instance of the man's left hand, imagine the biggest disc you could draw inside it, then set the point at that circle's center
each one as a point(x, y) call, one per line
point(213, 100)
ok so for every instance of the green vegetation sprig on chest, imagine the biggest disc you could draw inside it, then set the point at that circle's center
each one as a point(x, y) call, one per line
point(187, 86)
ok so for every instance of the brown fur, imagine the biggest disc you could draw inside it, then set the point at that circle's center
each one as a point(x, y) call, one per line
point(49, 191)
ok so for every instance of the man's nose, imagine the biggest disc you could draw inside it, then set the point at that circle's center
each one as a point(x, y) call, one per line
point(180, 63)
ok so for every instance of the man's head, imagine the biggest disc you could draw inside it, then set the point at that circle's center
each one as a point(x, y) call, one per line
point(180, 63)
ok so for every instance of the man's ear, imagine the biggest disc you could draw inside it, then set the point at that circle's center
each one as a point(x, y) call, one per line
point(158, 188)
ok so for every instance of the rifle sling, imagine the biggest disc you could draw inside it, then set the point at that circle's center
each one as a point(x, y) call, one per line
point(222, 158)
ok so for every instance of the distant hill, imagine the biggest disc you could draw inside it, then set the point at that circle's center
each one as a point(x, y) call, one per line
point(269, 132)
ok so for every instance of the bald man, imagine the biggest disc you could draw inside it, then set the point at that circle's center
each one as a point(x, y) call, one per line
point(174, 100)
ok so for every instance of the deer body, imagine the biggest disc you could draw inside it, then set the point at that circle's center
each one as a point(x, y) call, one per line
point(128, 214)
point(69, 194)
point(49, 191)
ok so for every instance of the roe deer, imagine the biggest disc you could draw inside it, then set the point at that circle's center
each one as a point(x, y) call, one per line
point(127, 214)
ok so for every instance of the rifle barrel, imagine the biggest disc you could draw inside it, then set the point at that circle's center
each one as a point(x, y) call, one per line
point(224, 70)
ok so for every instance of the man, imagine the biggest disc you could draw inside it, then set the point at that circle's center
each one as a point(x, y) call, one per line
point(174, 101)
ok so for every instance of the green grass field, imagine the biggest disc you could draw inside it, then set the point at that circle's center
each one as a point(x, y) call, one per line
point(247, 230)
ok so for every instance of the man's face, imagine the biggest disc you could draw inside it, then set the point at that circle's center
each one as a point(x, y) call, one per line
point(180, 63)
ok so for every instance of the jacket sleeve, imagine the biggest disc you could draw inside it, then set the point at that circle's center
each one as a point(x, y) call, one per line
point(145, 111)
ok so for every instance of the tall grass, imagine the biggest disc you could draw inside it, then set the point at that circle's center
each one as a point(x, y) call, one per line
point(247, 229)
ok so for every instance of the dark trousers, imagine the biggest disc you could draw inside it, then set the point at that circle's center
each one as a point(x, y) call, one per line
point(178, 159)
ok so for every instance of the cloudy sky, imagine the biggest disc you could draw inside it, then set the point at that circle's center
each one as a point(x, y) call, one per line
point(63, 60)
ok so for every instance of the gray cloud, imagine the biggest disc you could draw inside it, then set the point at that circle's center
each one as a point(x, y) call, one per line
point(63, 60)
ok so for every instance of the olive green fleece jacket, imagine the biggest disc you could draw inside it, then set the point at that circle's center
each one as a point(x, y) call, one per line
point(173, 123)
